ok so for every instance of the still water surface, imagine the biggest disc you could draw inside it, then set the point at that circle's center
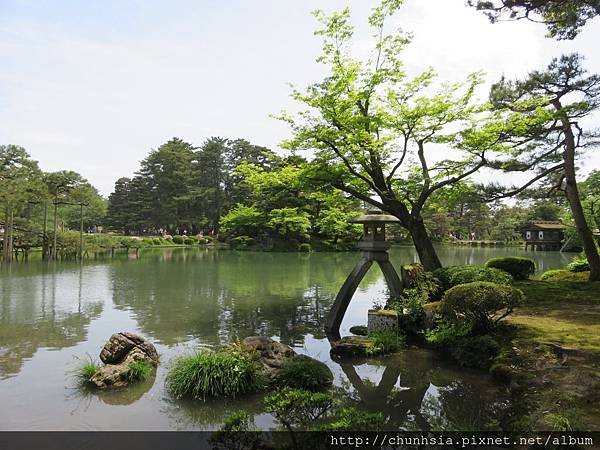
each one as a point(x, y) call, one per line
point(184, 299)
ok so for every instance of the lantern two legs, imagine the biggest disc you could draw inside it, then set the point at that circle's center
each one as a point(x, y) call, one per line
point(342, 300)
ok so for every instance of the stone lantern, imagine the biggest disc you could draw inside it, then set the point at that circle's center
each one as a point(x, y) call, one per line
point(374, 249)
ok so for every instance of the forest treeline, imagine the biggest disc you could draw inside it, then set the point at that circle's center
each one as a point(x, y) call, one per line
point(246, 194)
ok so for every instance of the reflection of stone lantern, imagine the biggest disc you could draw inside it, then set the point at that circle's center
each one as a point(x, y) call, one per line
point(374, 249)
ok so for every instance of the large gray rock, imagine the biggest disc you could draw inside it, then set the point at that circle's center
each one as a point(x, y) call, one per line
point(272, 355)
point(118, 353)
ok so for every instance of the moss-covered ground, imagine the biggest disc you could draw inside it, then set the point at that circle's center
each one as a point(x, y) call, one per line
point(552, 358)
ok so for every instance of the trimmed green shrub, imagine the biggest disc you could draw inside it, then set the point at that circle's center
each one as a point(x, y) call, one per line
point(178, 240)
point(156, 241)
point(224, 373)
point(578, 264)
point(202, 241)
point(304, 247)
point(564, 275)
point(481, 304)
point(455, 275)
point(305, 373)
point(520, 268)
point(188, 241)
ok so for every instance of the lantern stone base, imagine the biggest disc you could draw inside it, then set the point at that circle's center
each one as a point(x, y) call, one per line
point(382, 320)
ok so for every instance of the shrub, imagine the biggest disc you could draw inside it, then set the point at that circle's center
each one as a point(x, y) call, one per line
point(178, 240)
point(457, 341)
point(564, 275)
point(189, 241)
point(296, 408)
point(411, 314)
point(305, 247)
point(578, 264)
point(241, 242)
point(350, 418)
point(138, 371)
point(223, 373)
point(202, 241)
point(455, 275)
point(481, 304)
point(305, 373)
point(519, 268)
point(445, 333)
point(156, 241)
point(414, 276)
point(385, 341)
point(234, 433)
point(475, 351)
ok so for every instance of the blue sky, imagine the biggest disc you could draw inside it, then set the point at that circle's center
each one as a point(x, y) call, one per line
point(92, 86)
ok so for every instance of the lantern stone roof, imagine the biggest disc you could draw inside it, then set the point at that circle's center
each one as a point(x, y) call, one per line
point(374, 216)
point(545, 225)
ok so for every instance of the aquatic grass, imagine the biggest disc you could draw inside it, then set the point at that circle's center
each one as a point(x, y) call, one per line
point(85, 370)
point(138, 371)
point(223, 373)
point(385, 341)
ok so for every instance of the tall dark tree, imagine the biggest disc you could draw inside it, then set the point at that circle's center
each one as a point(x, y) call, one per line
point(168, 172)
point(544, 114)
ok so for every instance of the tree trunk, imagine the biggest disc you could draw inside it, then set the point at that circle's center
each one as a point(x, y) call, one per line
point(11, 233)
point(54, 252)
point(5, 240)
point(572, 193)
point(45, 233)
point(423, 245)
point(81, 232)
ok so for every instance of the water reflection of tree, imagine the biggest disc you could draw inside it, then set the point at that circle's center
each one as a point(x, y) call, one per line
point(416, 392)
point(216, 296)
point(208, 415)
point(33, 316)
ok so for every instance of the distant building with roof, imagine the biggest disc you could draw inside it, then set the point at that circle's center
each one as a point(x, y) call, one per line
point(544, 235)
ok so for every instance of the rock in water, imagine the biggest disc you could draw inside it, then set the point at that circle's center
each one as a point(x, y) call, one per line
point(118, 353)
point(272, 355)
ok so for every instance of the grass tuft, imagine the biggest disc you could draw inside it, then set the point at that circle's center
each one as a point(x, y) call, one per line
point(138, 371)
point(86, 370)
point(224, 373)
point(386, 341)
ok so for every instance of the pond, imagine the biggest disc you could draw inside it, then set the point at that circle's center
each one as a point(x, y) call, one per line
point(183, 299)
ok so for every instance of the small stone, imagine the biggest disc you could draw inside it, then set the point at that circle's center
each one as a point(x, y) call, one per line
point(272, 355)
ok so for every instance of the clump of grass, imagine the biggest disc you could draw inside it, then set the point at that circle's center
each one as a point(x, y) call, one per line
point(138, 371)
point(305, 373)
point(224, 373)
point(386, 341)
point(86, 370)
